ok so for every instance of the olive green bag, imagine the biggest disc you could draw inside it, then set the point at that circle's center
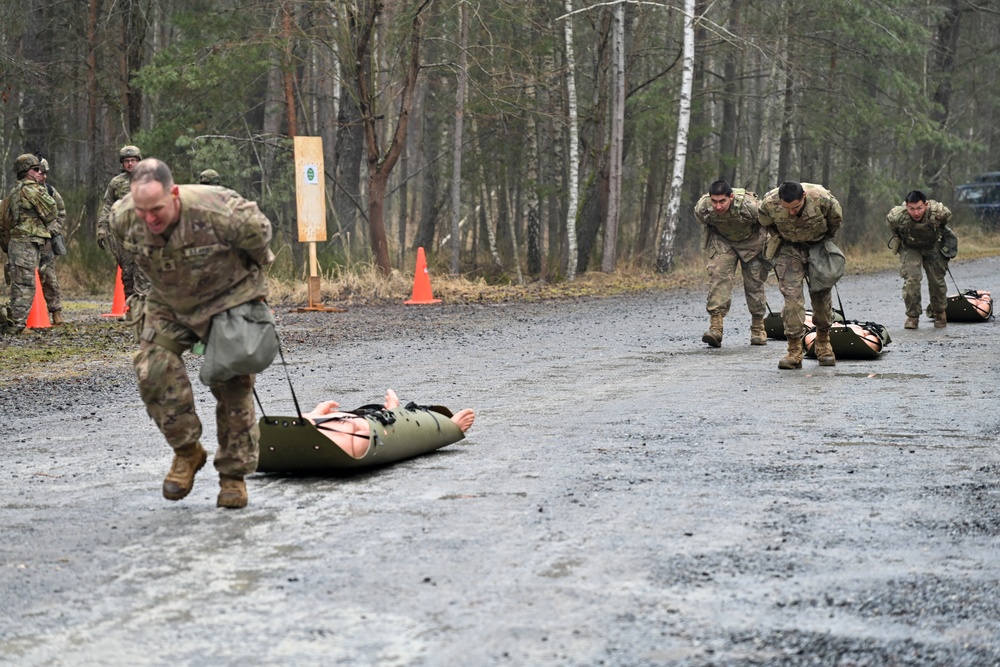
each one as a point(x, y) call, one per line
point(949, 243)
point(242, 341)
point(826, 265)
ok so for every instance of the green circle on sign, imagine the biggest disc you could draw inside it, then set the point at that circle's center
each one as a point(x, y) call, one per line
point(310, 174)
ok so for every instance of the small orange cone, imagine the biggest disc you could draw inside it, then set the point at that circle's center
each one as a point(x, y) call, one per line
point(118, 305)
point(421, 283)
point(38, 316)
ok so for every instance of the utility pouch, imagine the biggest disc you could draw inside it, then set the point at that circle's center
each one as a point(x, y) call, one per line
point(773, 247)
point(242, 341)
point(58, 244)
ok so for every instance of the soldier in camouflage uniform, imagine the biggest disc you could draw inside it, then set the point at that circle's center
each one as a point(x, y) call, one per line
point(204, 249)
point(47, 261)
point(733, 237)
point(798, 216)
point(209, 177)
point(917, 228)
point(133, 279)
point(34, 219)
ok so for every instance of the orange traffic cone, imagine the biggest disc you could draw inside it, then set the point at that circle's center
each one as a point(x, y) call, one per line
point(118, 305)
point(421, 282)
point(38, 316)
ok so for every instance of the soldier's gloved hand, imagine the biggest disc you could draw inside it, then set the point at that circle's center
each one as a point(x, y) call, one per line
point(102, 242)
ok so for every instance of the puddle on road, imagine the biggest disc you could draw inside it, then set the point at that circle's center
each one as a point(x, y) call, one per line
point(886, 376)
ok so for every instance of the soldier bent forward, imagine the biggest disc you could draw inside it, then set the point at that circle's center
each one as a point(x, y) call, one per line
point(204, 249)
point(800, 215)
point(919, 225)
point(733, 237)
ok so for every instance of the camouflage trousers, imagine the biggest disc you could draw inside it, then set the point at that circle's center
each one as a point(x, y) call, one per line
point(24, 256)
point(133, 279)
point(166, 390)
point(792, 267)
point(721, 268)
point(935, 264)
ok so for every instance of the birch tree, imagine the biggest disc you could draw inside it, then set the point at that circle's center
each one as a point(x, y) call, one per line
point(574, 146)
point(665, 258)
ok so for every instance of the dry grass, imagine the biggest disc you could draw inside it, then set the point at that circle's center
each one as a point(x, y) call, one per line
point(365, 286)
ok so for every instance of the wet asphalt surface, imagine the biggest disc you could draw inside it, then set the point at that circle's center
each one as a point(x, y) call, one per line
point(627, 496)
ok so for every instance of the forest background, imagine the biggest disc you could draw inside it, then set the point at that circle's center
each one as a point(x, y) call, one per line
point(515, 141)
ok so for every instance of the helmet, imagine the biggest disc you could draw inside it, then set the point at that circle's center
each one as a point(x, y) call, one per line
point(25, 162)
point(129, 151)
point(209, 177)
point(44, 164)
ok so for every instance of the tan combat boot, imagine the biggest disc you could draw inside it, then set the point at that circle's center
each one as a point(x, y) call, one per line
point(793, 359)
point(912, 322)
point(57, 318)
point(941, 320)
point(188, 460)
point(714, 334)
point(758, 335)
point(232, 492)
point(824, 351)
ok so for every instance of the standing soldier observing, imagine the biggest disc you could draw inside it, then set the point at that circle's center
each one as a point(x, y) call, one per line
point(733, 237)
point(205, 250)
point(29, 221)
point(52, 249)
point(133, 280)
point(209, 177)
point(919, 231)
point(801, 215)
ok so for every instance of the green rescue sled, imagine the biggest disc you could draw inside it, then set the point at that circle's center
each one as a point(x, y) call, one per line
point(296, 445)
point(969, 306)
point(852, 340)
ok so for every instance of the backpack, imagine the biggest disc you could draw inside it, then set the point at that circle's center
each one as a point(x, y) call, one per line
point(7, 221)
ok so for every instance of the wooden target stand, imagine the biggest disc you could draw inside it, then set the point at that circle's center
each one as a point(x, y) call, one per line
point(310, 198)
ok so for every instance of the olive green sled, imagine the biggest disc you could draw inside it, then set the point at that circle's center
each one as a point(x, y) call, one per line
point(291, 444)
point(960, 309)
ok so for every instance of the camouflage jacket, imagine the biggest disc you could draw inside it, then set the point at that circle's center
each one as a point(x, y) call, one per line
point(34, 212)
point(921, 234)
point(737, 229)
point(820, 217)
point(214, 258)
point(117, 189)
point(57, 227)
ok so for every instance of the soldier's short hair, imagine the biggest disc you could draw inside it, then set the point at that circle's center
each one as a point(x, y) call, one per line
point(790, 191)
point(915, 196)
point(720, 188)
point(152, 169)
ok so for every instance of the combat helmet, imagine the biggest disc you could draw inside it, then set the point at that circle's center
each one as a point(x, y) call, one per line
point(25, 162)
point(209, 177)
point(129, 151)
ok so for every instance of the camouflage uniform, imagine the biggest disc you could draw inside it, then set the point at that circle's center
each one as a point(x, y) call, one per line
point(819, 219)
point(133, 279)
point(213, 260)
point(36, 216)
point(734, 238)
point(920, 246)
point(47, 258)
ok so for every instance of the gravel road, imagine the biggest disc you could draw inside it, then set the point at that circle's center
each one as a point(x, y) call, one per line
point(626, 497)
